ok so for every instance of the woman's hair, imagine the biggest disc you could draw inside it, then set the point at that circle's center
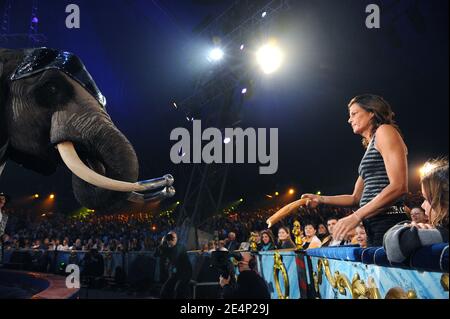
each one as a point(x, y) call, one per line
point(286, 229)
point(380, 108)
point(435, 185)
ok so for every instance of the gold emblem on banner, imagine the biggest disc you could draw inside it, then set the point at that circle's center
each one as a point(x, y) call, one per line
point(444, 281)
point(278, 267)
point(400, 293)
point(357, 287)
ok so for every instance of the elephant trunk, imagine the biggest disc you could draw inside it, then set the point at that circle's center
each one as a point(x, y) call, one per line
point(101, 148)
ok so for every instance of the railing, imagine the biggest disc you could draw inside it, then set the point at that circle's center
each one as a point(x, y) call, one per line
point(326, 273)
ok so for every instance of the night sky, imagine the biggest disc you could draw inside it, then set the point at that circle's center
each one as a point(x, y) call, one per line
point(143, 56)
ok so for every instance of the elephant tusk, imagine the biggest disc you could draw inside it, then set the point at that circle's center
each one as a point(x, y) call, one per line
point(77, 167)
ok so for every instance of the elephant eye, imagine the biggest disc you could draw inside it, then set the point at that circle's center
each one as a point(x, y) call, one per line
point(53, 93)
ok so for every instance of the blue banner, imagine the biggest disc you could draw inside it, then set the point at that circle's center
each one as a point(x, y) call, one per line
point(336, 279)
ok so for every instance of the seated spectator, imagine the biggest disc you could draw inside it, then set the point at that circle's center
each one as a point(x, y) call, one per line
point(418, 215)
point(212, 246)
point(329, 240)
point(322, 232)
point(255, 241)
point(311, 240)
point(267, 241)
point(249, 284)
point(284, 238)
point(64, 246)
point(361, 236)
point(221, 246)
point(231, 243)
point(402, 240)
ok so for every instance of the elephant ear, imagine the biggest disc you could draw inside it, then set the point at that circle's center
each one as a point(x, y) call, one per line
point(9, 59)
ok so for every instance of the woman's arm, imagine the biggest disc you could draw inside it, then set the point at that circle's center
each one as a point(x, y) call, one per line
point(345, 200)
point(392, 148)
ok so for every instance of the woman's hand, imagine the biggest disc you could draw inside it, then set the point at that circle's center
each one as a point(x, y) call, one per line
point(422, 226)
point(344, 226)
point(313, 200)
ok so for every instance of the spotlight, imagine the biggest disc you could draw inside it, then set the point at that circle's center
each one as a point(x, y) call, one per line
point(244, 90)
point(242, 47)
point(215, 55)
point(52, 196)
point(277, 194)
point(264, 14)
point(36, 196)
point(270, 57)
point(425, 169)
point(178, 203)
point(319, 193)
point(241, 200)
point(291, 191)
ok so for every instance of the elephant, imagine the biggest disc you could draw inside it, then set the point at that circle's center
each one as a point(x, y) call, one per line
point(52, 113)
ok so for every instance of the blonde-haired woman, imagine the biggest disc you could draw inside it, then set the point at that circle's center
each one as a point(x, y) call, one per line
point(401, 241)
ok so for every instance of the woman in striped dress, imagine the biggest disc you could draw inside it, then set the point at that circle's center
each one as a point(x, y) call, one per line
point(383, 173)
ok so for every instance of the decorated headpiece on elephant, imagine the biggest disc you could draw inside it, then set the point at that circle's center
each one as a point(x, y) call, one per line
point(52, 112)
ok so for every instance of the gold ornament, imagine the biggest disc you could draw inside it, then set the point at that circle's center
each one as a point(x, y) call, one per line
point(444, 281)
point(357, 287)
point(277, 267)
point(297, 231)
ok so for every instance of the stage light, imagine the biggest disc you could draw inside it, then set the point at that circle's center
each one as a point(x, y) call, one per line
point(215, 55)
point(291, 191)
point(426, 169)
point(270, 57)
point(36, 196)
point(269, 196)
point(178, 203)
point(226, 140)
point(319, 193)
point(277, 194)
point(52, 196)
point(244, 91)
point(175, 105)
point(264, 14)
point(242, 47)
point(241, 200)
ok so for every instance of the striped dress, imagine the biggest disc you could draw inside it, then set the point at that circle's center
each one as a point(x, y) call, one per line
point(373, 171)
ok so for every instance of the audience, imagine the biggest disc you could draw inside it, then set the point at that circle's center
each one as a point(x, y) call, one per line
point(329, 240)
point(284, 238)
point(249, 284)
point(418, 215)
point(311, 240)
point(402, 240)
point(361, 236)
point(267, 241)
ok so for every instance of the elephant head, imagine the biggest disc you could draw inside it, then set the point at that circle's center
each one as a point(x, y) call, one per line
point(52, 112)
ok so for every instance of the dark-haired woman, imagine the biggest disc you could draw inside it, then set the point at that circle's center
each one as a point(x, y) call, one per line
point(267, 241)
point(383, 173)
point(284, 238)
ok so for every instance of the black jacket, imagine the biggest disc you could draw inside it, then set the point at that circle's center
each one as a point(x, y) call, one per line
point(249, 285)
